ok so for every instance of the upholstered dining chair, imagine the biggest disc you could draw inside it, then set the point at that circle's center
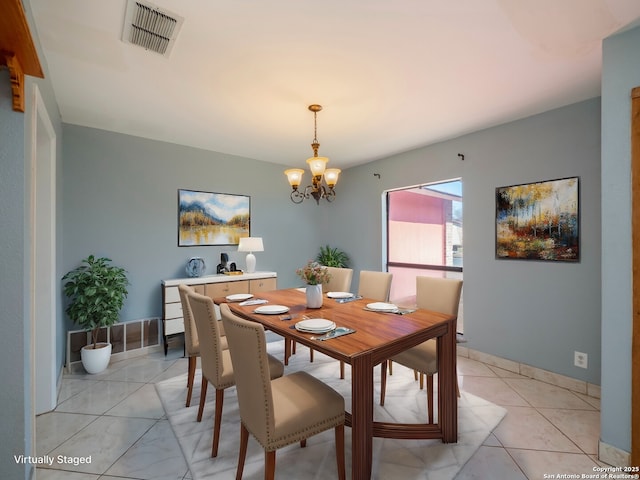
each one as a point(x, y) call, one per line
point(217, 368)
point(375, 285)
point(280, 411)
point(340, 280)
point(191, 342)
point(439, 295)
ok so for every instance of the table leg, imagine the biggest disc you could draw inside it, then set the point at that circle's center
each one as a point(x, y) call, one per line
point(287, 350)
point(447, 382)
point(361, 417)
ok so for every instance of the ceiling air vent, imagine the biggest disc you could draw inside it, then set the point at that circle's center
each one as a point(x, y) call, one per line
point(150, 27)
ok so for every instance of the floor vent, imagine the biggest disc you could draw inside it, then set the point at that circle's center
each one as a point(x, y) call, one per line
point(150, 27)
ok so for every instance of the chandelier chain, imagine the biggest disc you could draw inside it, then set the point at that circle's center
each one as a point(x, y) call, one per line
point(315, 127)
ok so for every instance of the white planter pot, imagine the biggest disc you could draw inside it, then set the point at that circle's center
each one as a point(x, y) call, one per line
point(314, 296)
point(95, 360)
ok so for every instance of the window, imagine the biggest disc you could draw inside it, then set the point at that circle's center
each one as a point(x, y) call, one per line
point(424, 236)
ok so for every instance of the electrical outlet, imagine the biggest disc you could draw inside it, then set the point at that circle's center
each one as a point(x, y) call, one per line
point(580, 359)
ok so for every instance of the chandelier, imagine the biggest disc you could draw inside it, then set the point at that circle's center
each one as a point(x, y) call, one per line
point(317, 165)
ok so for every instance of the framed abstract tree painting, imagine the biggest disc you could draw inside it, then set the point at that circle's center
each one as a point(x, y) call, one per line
point(539, 221)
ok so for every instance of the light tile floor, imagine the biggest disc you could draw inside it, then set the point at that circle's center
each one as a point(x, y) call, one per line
point(118, 417)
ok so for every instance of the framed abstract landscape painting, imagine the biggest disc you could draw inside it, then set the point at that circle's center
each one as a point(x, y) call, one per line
point(206, 218)
point(539, 221)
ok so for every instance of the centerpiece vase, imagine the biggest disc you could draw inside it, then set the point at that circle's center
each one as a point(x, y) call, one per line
point(314, 296)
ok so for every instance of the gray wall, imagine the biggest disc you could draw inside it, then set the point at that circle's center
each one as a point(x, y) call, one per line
point(532, 312)
point(120, 200)
point(621, 73)
point(16, 418)
point(15, 378)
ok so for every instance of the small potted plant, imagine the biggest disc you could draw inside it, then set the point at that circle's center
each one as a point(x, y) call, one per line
point(332, 257)
point(314, 275)
point(96, 291)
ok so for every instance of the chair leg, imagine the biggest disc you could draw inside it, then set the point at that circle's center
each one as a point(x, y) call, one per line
point(270, 465)
point(383, 381)
point(429, 396)
point(421, 380)
point(203, 397)
point(217, 421)
point(244, 440)
point(390, 367)
point(341, 370)
point(190, 376)
point(311, 354)
point(340, 451)
point(303, 443)
point(415, 375)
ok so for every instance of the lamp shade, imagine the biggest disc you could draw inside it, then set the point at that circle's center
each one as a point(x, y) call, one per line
point(317, 165)
point(295, 176)
point(251, 244)
point(331, 176)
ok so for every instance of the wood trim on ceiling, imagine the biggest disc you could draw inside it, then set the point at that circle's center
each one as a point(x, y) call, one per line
point(17, 50)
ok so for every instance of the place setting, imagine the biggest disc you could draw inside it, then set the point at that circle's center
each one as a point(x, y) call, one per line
point(343, 297)
point(271, 309)
point(238, 297)
point(383, 307)
point(244, 299)
point(326, 329)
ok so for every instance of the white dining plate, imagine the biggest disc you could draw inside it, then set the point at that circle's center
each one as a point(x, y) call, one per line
point(238, 297)
point(339, 294)
point(315, 325)
point(382, 307)
point(272, 309)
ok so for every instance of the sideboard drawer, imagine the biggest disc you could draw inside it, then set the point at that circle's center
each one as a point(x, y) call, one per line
point(171, 295)
point(262, 285)
point(173, 310)
point(173, 326)
point(215, 290)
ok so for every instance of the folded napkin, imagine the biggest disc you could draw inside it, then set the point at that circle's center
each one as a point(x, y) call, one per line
point(379, 311)
point(255, 301)
point(350, 299)
point(338, 332)
point(404, 311)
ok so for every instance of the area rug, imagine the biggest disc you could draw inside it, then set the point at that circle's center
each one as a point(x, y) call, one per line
point(392, 459)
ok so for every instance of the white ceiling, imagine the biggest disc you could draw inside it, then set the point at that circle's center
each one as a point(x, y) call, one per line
point(392, 75)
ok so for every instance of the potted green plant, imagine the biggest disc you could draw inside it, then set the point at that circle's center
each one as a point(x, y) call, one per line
point(332, 257)
point(96, 290)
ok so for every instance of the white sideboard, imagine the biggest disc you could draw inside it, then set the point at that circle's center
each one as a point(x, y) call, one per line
point(213, 286)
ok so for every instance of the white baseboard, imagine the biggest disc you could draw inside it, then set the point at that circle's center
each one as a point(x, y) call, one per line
point(613, 456)
point(76, 367)
point(130, 337)
point(578, 386)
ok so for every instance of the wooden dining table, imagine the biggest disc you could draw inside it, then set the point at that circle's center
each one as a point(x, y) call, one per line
point(378, 337)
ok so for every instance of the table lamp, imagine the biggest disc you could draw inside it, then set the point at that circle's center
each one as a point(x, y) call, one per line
point(251, 244)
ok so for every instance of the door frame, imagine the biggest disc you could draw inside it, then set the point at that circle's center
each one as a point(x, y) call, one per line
point(635, 220)
point(44, 305)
